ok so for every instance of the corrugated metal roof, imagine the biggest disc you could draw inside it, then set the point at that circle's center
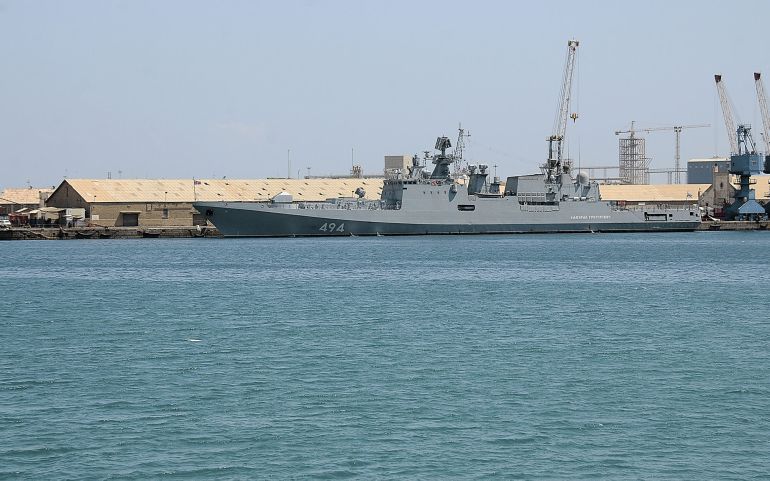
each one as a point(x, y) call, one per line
point(26, 195)
point(653, 192)
point(183, 190)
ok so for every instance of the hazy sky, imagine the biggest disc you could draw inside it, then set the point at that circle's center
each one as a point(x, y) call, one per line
point(177, 89)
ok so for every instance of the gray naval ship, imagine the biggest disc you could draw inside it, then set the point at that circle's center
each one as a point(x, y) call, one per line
point(416, 202)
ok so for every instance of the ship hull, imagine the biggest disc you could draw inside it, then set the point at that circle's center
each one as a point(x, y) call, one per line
point(262, 220)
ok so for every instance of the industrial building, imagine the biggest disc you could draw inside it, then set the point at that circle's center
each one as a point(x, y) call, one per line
point(701, 171)
point(168, 202)
point(722, 192)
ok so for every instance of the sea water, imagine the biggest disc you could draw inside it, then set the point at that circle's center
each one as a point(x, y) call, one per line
point(615, 356)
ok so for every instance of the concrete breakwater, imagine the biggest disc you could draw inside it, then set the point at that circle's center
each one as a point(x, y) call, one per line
point(66, 233)
point(734, 225)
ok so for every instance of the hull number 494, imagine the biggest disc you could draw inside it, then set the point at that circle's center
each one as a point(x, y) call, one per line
point(332, 227)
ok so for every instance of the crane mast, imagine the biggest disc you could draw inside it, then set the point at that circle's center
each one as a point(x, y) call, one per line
point(727, 113)
point(763, 109)
point(556, 165)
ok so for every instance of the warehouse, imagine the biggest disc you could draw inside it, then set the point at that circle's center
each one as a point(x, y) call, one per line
point(15, 199)
point(669, 194)
point(168, 202)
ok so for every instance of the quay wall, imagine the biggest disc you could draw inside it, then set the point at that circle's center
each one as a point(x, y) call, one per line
point(91, 232)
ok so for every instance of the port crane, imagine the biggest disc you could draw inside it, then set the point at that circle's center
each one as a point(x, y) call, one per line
point(677, 149)
point(727, 114)
point(744, 162)
point(762, 99)
point(556, 164)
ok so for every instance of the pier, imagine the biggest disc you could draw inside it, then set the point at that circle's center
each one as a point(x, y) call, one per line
point(71, 233)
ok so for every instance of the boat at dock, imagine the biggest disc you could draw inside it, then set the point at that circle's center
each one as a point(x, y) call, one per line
point(415, 203)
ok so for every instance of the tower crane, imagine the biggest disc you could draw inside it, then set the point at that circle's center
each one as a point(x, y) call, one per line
point(765, 117)
point(556, 165)
point(677, 148)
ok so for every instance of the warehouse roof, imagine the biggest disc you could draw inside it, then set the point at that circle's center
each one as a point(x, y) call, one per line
point(187, 190)
point(26, 195)
point(709, 160)
point(184, 190)
point(653, 192)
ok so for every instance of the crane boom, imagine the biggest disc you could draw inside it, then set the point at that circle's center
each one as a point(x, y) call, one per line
point(560, 123)
point(555, 141)
point(763, 109)
point(727, 113)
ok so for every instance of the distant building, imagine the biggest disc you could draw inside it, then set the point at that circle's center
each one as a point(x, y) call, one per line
point(701, 171)
point(29, 198)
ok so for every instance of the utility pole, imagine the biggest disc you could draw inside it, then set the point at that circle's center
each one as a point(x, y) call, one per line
point(288, 163)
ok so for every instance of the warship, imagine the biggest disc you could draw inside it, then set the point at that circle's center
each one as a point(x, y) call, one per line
point(414, 201)
point(417, 202)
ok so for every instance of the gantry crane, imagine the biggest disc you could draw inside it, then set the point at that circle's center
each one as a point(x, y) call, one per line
point(765, 117)
point(556, 165)
point(677, 149)
point(744, 162)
